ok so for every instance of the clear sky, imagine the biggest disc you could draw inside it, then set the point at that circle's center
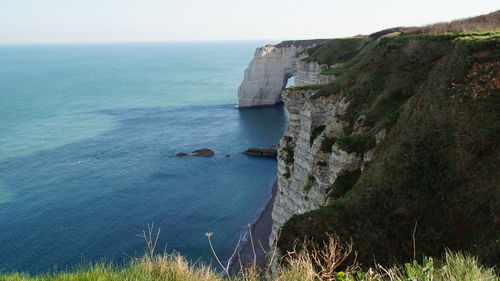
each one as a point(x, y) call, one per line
point(54, 21)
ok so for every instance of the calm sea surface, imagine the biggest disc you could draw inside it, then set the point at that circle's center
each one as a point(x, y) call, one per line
point(87, 138)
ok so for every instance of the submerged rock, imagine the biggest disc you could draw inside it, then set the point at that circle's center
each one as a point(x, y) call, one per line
point(181, 154)
point(204, 152)
point(264, 151)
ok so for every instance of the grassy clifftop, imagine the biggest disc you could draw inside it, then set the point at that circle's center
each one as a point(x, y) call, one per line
point(438, 98)
point(335, 50)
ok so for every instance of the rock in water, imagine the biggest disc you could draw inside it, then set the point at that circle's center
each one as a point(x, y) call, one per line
point(204, 152)
point(265, 151)
point(181, 154)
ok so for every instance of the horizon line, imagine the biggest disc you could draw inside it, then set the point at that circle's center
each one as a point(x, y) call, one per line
point(150, 41)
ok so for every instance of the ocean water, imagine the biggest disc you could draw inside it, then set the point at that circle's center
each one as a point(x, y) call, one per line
point(88, 135)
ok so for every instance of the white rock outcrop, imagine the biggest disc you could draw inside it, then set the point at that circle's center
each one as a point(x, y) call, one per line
point(305, 170)
point(307, 73)
point(270, 70)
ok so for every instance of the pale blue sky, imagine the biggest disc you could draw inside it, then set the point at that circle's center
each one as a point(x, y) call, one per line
point(54, 21)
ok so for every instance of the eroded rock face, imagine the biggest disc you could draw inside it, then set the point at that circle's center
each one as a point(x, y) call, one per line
point(266, 75)
point(306, 169)
point(269, 72)
point(307, 73)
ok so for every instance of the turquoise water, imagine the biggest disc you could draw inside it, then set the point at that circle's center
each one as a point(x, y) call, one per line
point(87, 138)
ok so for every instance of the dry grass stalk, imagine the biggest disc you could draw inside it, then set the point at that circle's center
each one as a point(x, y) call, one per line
point(150, 238)
point(172, 266)
point(225, 268)
point(253, 246)
point(325, 259)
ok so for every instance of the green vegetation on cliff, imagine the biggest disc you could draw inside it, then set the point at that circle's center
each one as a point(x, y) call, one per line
point(305, 87)
point(335, 50)
point(438, 98)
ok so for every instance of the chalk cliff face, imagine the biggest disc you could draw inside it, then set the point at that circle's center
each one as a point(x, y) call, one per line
point(270, 70)
point(307, 73)
point(306, 169)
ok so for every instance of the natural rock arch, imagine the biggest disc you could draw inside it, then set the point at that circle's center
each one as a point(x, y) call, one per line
point(269, 71)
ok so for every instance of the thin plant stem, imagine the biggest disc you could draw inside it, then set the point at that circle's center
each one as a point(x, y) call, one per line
point(414, 242)
point(253, 246)
point(234, 252)
point(275, 249)
point(209, 234)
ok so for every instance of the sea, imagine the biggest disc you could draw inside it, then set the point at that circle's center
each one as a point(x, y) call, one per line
point(88, 137)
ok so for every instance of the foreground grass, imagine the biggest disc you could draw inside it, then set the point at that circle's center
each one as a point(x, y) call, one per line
point(174, 267)
point(160, 267)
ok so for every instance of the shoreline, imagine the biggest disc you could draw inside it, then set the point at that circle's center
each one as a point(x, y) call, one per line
point(261, 231)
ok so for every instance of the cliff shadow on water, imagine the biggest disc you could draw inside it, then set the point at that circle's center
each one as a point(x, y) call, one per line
point(258, 119)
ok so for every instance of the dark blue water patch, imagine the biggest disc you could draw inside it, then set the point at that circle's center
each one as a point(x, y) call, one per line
point(89, 199)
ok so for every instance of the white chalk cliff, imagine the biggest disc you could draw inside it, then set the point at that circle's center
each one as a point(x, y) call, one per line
point(306, 169)
point(270, 70)
point(307, 73)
